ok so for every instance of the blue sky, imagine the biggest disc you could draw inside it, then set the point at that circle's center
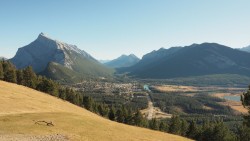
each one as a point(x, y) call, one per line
point(108, 28)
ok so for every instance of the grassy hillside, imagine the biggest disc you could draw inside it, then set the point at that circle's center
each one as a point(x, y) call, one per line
point(21, 107)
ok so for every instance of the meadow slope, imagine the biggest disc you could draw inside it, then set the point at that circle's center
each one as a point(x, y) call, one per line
point(21, 107)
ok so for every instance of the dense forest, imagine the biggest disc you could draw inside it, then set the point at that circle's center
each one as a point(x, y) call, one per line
point(205, 130)
point(193, 105)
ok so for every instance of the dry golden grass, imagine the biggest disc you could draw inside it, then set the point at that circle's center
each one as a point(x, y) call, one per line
point(237, 106)
point(221, 95)
point(20, 107)
point(175, 88)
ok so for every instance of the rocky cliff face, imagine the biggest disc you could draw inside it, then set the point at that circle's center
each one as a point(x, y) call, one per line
point(44, 50)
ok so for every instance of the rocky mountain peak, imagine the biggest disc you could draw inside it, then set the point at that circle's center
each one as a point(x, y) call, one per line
point(42, 37)
point(44, 50)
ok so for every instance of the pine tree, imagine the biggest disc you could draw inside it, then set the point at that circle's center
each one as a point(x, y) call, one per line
point(29, 77)
point(88, 103)
point(192, 130)
point(222, 133)
point(19, 77)
point(62, 93)
point(184, 128)
point(163, 126)
point(9, 72)
point(175, 125)
point(70, 94)
point(76, 99)
point(125, 114)
point(103, 110)
point(245, 98)
point(111, 114)
point(10, 76)
point(1, 70)
point(153, 124)
point(130, 117)
point(119, 116)
point(243, 133)
point(138, 118)
point(47, 86)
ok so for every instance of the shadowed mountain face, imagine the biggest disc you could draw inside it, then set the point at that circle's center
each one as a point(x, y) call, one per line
point(46, 56)
point(123, 61)
point(194, 60)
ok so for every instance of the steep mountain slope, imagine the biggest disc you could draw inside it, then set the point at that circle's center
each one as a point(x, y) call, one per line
point(17, 121)
point(123, 61)
point(45, 51)
point(194, 60)
point(247, 49)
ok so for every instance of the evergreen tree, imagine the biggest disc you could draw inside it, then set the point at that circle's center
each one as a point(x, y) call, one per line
point(5, 65)
point(175, 125)
point(243, 133)
point(19, 77)
point(62, 93)
point(153, 124)
point(222, 133)
point(29, 77)
point(125, 114)
point(48, 86)
point(89, 104)
point(111, 114)
point(193, 130)
point(119, 116)
point(1, 70)
point(9, 72)
point(184, 128)
point(103, 110)
point(10, 76)
point(138, 119)
point(70, 95)
point(163, 126)
point(130, 117)
point(245, 98)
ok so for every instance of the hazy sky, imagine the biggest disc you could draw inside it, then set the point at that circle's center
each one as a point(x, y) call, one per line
point(108, 28)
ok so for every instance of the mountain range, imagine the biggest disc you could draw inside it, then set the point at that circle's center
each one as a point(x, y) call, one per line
point(67, 63)
point(247, 49)
point(59, 60)
point(123, 61)
point(193, 60)
point(104, 61)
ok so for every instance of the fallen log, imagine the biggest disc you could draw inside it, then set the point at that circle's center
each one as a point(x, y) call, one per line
point(47, 123)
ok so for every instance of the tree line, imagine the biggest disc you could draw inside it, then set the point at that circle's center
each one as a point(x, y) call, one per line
point(205, 131)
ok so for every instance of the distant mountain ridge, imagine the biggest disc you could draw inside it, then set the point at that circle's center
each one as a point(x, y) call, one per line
point(193, 60)
point(123, 61)
point(104, 61)
point(46, 56)
point(247, 49)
